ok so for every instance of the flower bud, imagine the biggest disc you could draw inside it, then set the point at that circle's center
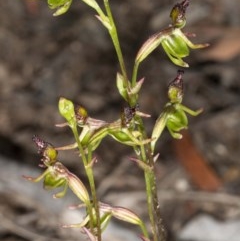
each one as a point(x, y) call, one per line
point(66, 109)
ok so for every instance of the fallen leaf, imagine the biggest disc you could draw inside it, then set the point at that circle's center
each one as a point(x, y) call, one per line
point(225, 47)
point(202, 175)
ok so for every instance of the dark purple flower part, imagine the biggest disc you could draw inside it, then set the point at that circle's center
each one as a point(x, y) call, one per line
point(46, 150)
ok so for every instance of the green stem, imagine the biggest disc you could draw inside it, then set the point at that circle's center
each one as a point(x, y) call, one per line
point(150, 204)
point(114, 36)
point(153, 204)
point(157, 227)
point(151, 189)
point(89, 172)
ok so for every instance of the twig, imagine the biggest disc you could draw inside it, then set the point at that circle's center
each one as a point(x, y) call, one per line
point(21, 231)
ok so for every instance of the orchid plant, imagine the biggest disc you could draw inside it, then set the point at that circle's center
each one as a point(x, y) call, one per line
point(128, 129)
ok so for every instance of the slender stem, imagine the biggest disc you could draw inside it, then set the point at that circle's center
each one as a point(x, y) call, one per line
point(90, 175)
point(153, 205)
point(114, 35)
point(151, 190)
point(88, 169)
point(150, 205)
point(148, 183)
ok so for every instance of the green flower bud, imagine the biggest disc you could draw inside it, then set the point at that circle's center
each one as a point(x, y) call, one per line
point(66, 109)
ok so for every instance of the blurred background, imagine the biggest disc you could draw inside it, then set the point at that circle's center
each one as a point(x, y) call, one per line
point(44, 57)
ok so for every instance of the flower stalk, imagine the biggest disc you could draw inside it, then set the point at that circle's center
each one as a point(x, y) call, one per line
point(68, 111)
point(128, 129)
